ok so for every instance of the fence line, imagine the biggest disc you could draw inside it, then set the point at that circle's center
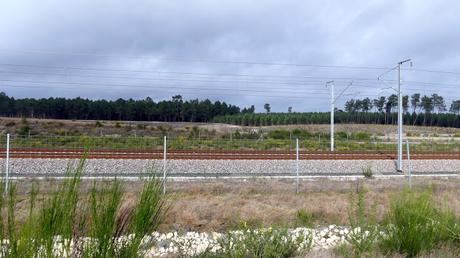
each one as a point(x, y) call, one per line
point(184, 143)
point(164, 164)
point(297, 164)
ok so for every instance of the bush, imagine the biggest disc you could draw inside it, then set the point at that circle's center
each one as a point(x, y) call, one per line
point(10, 124)
point(278, 135)
point(364, 231)
point(98, 124)
point(24, 130)
point(414, 224)
point(260, 242)
point(304, 218)
point(367, 172)
point(362, 136)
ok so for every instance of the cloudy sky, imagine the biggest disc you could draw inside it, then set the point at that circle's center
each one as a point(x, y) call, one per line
point(240, 51)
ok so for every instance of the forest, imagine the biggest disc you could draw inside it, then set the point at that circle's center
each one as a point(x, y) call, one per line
point(174, 110)
point(417, 109)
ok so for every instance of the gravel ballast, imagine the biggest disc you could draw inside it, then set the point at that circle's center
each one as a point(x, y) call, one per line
point(23, 166)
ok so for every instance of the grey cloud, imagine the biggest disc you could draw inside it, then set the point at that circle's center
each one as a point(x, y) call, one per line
point(357, 33)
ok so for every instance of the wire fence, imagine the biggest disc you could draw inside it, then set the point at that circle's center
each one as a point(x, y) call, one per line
point(187, 143)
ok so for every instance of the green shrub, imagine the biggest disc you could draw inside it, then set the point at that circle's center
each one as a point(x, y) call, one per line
point(362, 218)
point(98, 124)
point(341, 135)
point(270, 243)
point(361, 136)
point(304, 218)
point(413, 224)
point(367, 171)
point(10, 124)
point(278, 134)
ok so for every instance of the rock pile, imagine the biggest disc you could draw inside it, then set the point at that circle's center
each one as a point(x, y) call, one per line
point(194, 243)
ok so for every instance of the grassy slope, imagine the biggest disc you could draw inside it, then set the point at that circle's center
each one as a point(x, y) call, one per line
point(123, 128)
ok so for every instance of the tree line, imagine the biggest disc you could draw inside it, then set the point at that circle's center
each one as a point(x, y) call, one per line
point(415, 104)
point(266, 119)
point(417, 110)
point(174, 110)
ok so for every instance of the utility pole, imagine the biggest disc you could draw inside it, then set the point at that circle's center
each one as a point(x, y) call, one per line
point(332, 113)
point(400, 117)
point(333, 100)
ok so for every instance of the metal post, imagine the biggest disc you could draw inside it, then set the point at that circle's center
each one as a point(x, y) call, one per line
point(7, 162)
point(399, 168)
point(400, 117)
point(332, 117)
point(164, 165)
point(297, 163)
point(333, 100)
point(410, 164)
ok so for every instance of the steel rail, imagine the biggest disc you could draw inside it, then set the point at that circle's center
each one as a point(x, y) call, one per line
point(69, 153)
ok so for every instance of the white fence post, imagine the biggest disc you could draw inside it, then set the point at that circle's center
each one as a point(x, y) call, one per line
point(409, 164)
point(7, 162)
point(297, 163)
point(164, 165)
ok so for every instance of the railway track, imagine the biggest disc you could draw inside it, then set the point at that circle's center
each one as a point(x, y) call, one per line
point(69, 153)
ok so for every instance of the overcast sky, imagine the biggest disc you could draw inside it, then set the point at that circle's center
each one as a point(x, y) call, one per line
point(227, 50)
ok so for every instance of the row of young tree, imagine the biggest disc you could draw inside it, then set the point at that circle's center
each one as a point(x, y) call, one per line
point(266, 119)
point(174, 110)
point(415, 104)
point(417, 109)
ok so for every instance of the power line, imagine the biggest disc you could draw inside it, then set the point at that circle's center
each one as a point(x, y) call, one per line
point(172, 79)
point(44, 52)
point(176, 72)
point(146, 86)
point(199, 60)
point(201, 74)
point(283, 90)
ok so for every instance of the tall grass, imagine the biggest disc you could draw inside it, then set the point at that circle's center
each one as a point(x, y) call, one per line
point(103, 207)
point(415, 224)
point(67, 223)
point(363, 222)
point(148, 213)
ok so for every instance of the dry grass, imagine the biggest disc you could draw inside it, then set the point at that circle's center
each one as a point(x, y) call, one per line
point(217, 205)
point(220, 205)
